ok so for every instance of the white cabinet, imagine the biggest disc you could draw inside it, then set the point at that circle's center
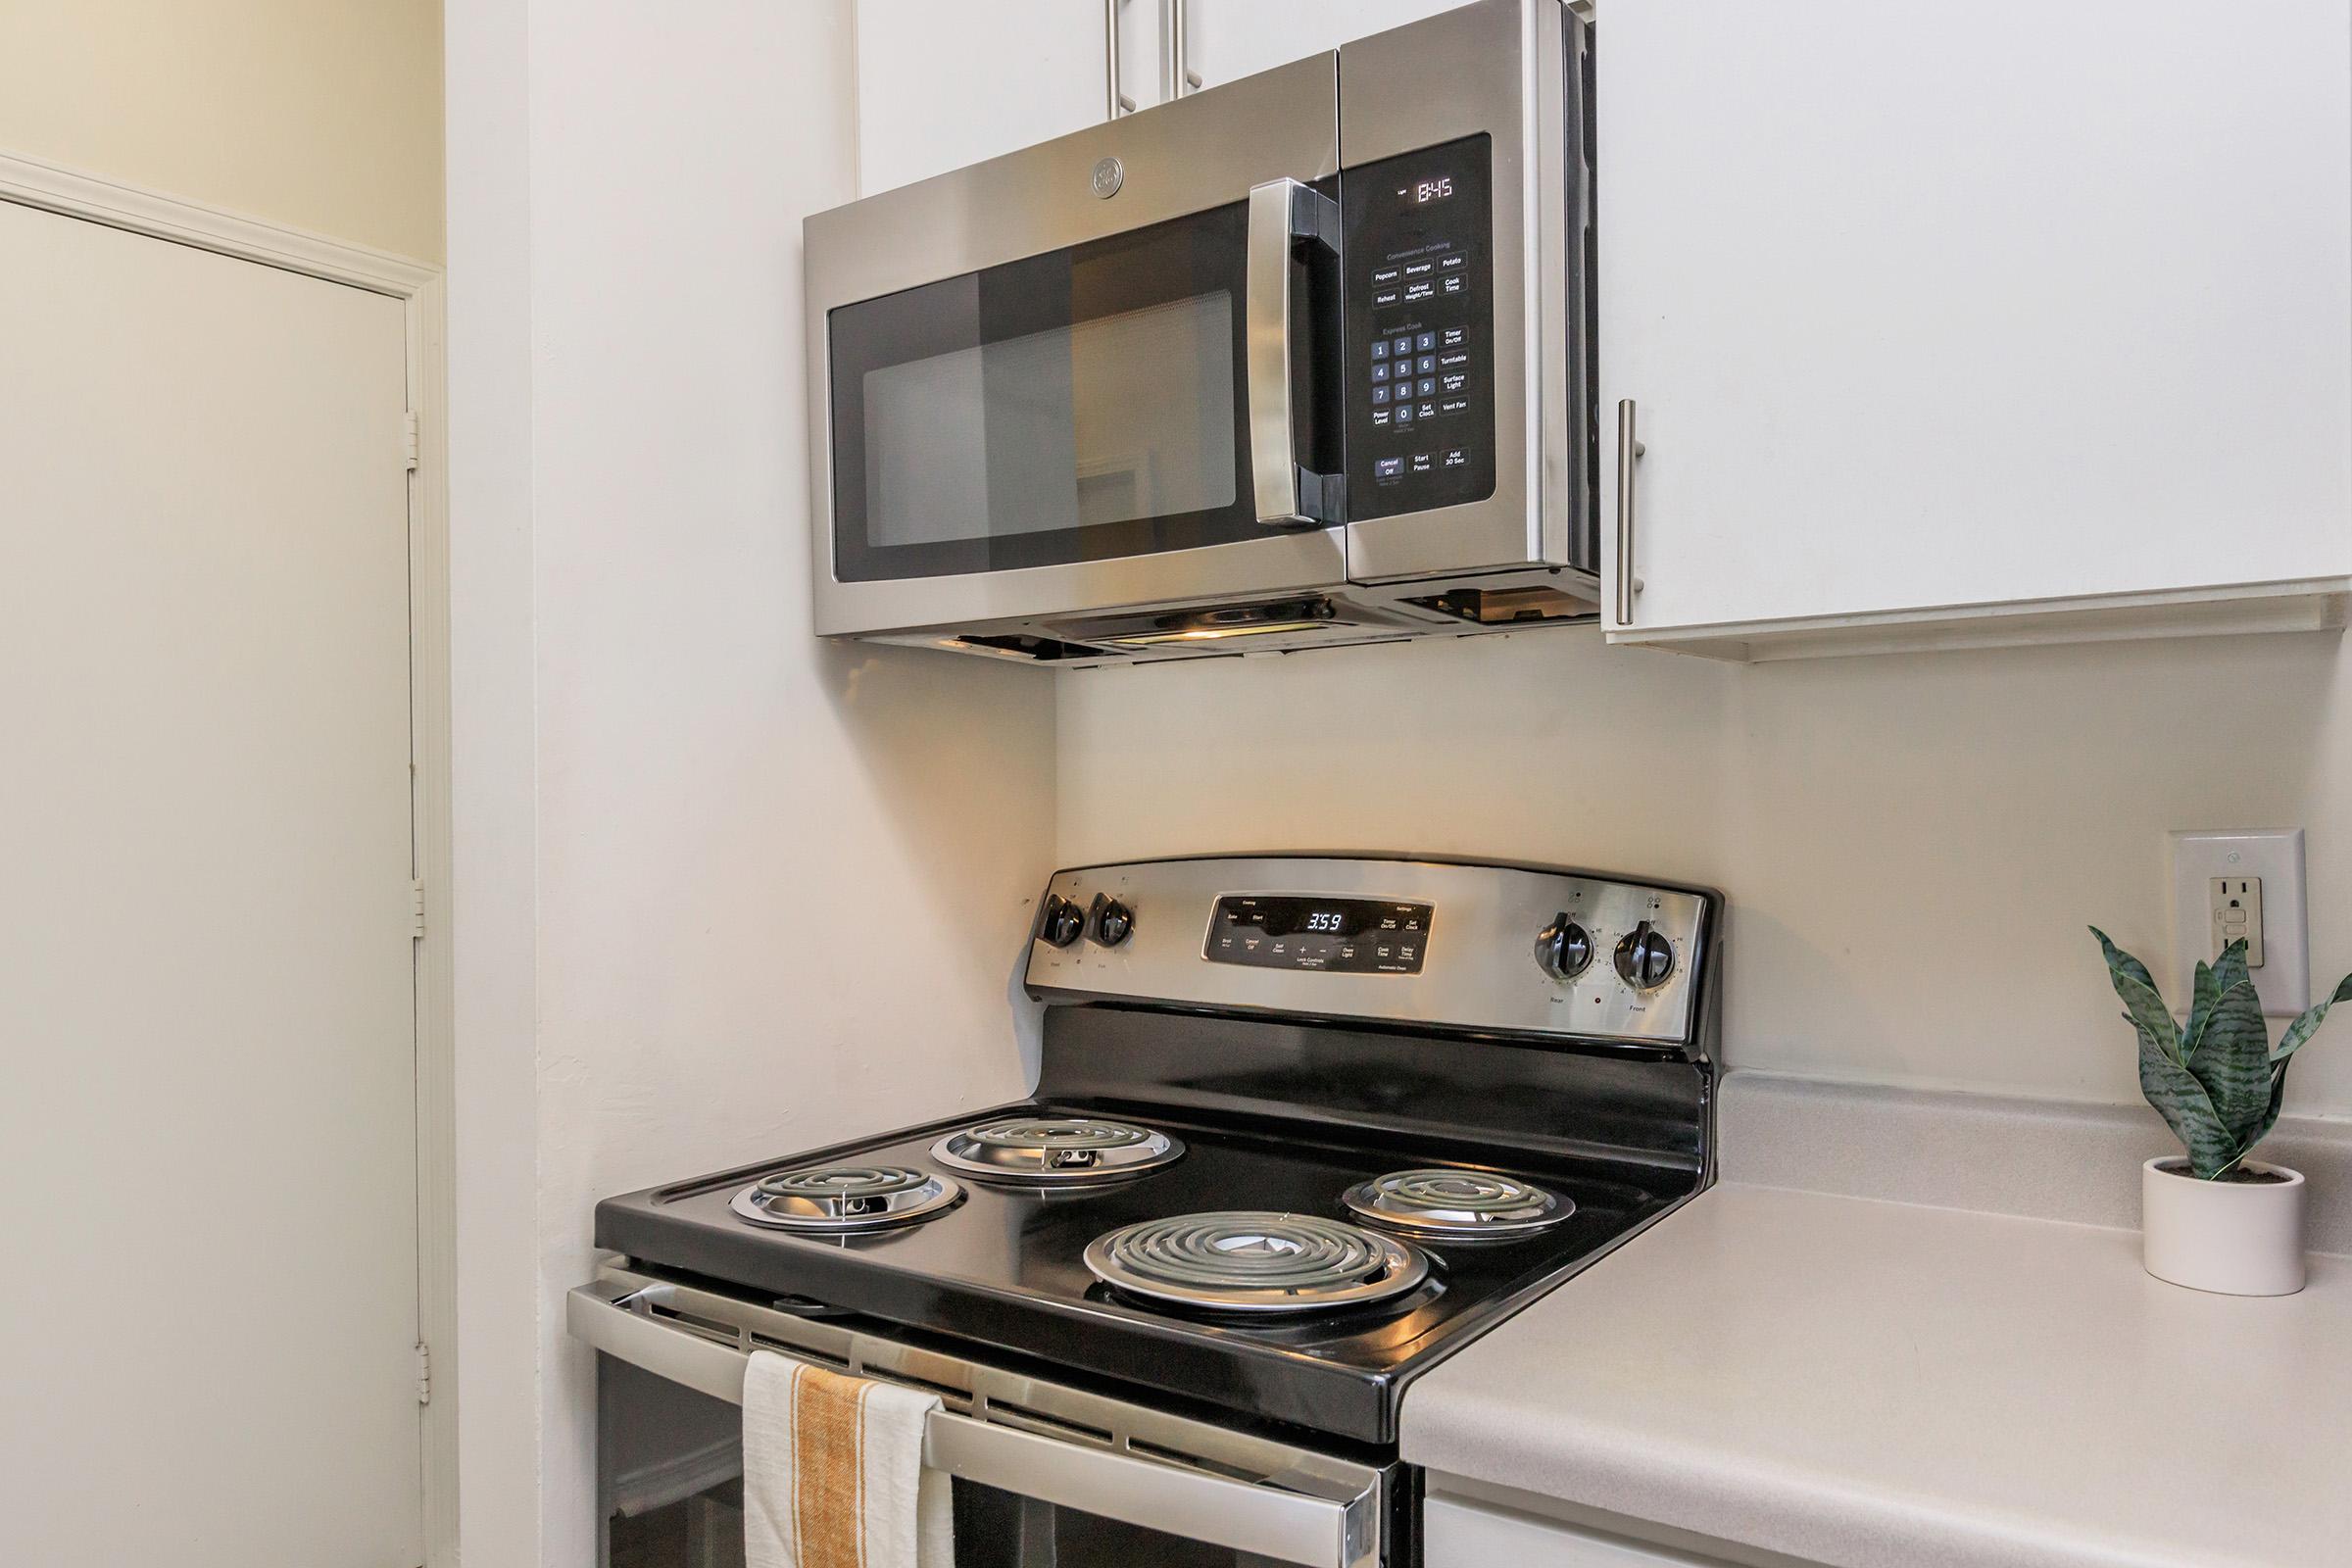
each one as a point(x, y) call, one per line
point(1945, 327)
point(1457, 1533)
point(942, 83)
point(1230, 38)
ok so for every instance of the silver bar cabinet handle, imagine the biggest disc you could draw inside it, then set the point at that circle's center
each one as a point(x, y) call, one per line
point(1281, 211)
point(1114, 102)
point(1628, 452)
point(1192, 1505)
point(1176, 75)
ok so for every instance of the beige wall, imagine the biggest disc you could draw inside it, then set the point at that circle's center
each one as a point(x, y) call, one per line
point(1911, 844)
point(321, 115)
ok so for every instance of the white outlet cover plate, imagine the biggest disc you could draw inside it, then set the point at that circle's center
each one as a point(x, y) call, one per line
point(2283, 982)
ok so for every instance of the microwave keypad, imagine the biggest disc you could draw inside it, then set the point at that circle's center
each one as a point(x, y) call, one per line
point(1420, 327)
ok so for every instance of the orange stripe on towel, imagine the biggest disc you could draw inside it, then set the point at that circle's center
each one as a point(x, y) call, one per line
point(828, 1431)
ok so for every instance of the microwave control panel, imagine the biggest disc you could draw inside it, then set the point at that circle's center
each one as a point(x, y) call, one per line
point(1418, 247)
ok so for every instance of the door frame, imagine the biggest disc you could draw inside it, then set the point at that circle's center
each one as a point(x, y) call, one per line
point(420, 288)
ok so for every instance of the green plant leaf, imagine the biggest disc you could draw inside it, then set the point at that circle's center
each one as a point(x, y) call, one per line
point(2230, 967)
point(2270, 1117)
point(2186, 1108)
point(2205, 992)
point(2303, 1028)
point(2234, 1063)
point(2143, 1007)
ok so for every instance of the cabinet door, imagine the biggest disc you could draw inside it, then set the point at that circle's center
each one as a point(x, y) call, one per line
point(1466, 1535)
point(1924, 309)
point(942, 83)
point(1230, 38)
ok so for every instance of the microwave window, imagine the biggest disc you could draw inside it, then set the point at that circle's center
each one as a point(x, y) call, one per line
point(1104, 420)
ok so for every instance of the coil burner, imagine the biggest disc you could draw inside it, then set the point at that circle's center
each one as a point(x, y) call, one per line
point(1463, 1204)
point(847, 1198)
point(1252, 1261)
point(1072, 1151)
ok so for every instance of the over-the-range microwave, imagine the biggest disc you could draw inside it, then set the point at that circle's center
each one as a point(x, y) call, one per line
point(1302, 360)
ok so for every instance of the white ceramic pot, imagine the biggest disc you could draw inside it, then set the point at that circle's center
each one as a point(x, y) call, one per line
point(2234, 1238)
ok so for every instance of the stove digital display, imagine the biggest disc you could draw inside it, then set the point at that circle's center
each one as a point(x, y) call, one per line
point(1351, 936)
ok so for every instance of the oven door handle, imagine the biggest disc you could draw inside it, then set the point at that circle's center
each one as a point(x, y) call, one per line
point(1149, 1493)
point(1282, 214)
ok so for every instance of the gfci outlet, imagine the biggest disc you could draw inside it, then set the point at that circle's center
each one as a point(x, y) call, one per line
point(2229, 887)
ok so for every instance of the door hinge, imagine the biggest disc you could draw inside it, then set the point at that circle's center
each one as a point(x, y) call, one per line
point(409, 439)
point(424, 1373)
point(416, 908)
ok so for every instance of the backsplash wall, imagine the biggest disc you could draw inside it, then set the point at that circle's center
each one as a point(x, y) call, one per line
point(1911, 844)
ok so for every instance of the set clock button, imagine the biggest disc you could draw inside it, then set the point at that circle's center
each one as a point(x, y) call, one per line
point(1063, 922)
point(1645, 959)
point(1563, 947)
point(1113, 921)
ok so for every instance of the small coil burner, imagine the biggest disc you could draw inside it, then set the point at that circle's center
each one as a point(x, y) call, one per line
point(1252, 1261)
point(847, 1198)
point(1466, 1204)
point(1060, 1149)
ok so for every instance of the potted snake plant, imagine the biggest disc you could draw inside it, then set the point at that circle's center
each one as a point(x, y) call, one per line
point(2214, 1219)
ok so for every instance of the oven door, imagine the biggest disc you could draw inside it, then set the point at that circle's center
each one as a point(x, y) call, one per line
point(1045, 1476)
point(1084, 376)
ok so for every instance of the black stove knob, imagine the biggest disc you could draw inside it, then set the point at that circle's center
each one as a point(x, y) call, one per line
point(1113, 923)
point(1063, 922)
point(1563, 947)
point(1645, 959)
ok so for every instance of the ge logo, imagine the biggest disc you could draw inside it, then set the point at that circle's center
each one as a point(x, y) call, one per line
point(1110, 175)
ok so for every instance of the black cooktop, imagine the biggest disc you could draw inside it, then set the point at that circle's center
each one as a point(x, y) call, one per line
point(1266, 1126)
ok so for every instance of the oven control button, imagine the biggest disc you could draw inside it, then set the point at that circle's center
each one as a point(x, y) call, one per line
point(1063, 922)
point(1563, 947)
point(1645, 959)
point(1113, 921)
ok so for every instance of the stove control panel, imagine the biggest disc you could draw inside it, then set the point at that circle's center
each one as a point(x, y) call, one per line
point(1444, 944)
point(1353, 935)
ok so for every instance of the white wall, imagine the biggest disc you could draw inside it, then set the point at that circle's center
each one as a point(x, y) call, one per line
point(324, 116)
point(1911, 846)
point(780, 886)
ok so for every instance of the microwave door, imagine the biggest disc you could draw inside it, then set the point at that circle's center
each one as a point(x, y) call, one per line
point(1038, 382)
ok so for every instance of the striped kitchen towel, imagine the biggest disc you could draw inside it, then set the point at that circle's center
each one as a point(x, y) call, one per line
point(833, 1471)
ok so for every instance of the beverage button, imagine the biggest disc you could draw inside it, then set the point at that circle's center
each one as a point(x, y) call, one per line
point(1419, 269)
point(1388, 468)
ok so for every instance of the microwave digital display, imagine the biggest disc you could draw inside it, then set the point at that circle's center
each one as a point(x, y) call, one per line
point(1419, 376)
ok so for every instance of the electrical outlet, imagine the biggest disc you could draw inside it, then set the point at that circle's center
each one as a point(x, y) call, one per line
point(2236, 906)
point(2231, 885)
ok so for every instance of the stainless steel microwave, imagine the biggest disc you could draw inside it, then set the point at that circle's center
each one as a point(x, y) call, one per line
point(1302, 360)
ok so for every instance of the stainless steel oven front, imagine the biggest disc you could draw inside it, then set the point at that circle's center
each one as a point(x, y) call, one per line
point(1046, 1476)
point(1305, 358)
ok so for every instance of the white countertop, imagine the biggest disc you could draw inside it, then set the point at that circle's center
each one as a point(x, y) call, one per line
point(1879, 1384)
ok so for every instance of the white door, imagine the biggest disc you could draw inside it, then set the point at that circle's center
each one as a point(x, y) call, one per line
point(1927, 306)
point(206, 1131)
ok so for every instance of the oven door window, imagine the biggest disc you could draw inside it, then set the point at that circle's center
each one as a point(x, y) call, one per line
point(1083, 404)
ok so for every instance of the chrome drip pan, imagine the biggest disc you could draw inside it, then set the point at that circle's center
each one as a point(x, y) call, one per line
point(1257, 1261)
point(1068, 1150)
point(847, 1198)
point(1452, 1202)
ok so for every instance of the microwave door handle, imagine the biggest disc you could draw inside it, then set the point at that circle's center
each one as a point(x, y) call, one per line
point(1282, 214)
